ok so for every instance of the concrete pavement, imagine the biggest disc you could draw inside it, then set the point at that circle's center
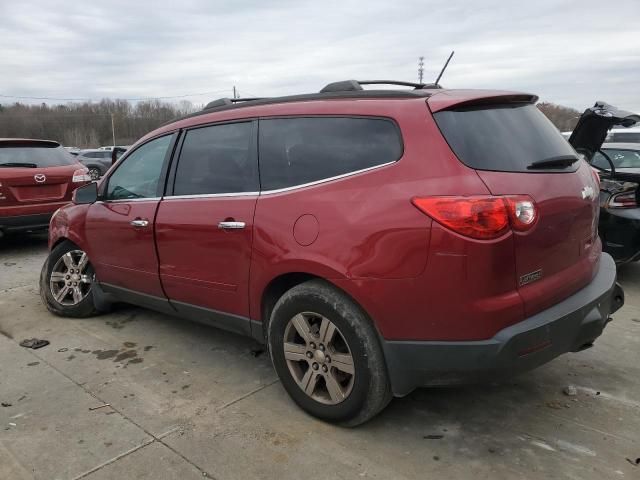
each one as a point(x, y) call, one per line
point(188, 401)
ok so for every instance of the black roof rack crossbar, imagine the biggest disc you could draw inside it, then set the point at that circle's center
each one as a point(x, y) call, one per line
point(355, 85)
point(228, 101)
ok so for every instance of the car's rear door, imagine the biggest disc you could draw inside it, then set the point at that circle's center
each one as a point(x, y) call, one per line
point(204, 225)
point(119, 227)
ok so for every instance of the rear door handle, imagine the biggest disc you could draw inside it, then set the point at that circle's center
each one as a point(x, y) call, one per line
point(139, 222)
point(231, 225)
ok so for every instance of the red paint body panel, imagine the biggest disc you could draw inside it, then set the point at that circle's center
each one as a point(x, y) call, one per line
point(201, 264)
point(564, 243)
point(122, 254)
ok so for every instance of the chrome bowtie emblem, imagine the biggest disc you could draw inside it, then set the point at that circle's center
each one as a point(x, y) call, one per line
point(587, 192)
point(40, 178)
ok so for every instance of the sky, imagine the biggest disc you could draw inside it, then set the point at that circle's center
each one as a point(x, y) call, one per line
point(567, 52)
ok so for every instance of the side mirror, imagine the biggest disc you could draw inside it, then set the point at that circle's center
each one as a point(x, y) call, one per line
point(86, 194)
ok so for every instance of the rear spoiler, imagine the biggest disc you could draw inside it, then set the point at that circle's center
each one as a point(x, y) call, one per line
point(27, 142)
point(454, 99)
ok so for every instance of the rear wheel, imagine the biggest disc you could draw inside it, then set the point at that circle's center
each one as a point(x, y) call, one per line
point(66, 282)
point(327, 354)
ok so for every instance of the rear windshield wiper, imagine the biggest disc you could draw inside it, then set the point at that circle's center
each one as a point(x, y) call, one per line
point(561, 161)
point(18, 164)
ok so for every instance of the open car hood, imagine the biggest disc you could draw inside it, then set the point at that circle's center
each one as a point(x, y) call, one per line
point(594, 124)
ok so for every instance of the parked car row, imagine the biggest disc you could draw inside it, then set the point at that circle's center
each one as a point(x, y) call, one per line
point(375, 240)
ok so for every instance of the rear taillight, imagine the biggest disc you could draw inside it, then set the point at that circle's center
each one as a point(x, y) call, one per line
point(81, 175)
point(483, 217)
point(623, 200)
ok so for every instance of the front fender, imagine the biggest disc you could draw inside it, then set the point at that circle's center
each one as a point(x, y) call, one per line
point(67, 223)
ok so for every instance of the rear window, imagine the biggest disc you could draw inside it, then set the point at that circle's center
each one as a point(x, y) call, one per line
point(505, 138)
point(296, 151)
point(40, 155)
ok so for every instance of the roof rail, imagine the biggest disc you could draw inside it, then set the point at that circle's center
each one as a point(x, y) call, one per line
point(355, 85)
point(228, 101)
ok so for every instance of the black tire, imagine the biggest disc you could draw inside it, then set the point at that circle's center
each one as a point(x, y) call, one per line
point(85, 308)
point(370, 391)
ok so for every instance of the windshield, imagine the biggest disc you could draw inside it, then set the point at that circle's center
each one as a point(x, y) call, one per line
point(506, 138)
point(38, 155)
point(620, 158)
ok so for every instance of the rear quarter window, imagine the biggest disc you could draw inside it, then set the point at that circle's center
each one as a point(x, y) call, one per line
point(297, 151)
point(505, 138)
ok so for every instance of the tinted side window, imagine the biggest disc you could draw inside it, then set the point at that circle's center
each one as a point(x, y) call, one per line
point(217, 159)
point(295, 151)
point(138, 175)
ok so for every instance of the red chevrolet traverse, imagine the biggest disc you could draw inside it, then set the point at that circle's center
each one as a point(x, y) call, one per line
point(375, 240)
point(36, 178)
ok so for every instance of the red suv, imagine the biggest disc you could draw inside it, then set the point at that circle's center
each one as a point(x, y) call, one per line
point(36, 178)
point(375, 240)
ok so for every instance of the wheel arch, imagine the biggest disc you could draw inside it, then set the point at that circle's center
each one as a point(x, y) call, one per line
point(283, 282)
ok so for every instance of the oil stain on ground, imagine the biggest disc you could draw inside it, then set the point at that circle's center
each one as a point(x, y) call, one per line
point(126, 355)
point(120, 323)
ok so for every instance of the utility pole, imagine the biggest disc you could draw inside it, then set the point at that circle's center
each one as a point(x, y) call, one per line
point(420, 69)
point(235, 92)
point(113, 131)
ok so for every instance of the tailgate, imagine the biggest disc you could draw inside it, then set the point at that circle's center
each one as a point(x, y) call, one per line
point(501, 140)
point(29, 185)
point(559, 255)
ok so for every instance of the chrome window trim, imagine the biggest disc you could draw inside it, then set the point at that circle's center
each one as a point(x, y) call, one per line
point(270, 192)
point(123, 200)
point(211, 195)
point(324, 180)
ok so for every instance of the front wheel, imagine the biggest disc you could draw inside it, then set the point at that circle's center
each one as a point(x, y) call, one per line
point(66, 282)
point(327, 354)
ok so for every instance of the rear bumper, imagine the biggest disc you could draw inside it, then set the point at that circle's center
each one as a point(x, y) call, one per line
point(25, 222)
point(568, 326)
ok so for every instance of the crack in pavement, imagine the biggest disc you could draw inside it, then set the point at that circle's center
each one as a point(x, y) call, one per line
point(247, 395)
point(18, 286)
point(154, 438)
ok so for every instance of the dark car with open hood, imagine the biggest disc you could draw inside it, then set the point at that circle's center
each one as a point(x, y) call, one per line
point(618, 165)
point(36, 178)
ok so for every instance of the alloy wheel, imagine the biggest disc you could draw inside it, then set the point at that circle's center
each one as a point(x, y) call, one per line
point(94, 173)
point(319, 358)
point(69, 281)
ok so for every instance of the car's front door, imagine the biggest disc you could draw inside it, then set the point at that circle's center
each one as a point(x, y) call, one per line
point(119, 227)
point(204, 225)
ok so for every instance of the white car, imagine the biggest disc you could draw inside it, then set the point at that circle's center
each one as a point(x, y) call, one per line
point(624, 135)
